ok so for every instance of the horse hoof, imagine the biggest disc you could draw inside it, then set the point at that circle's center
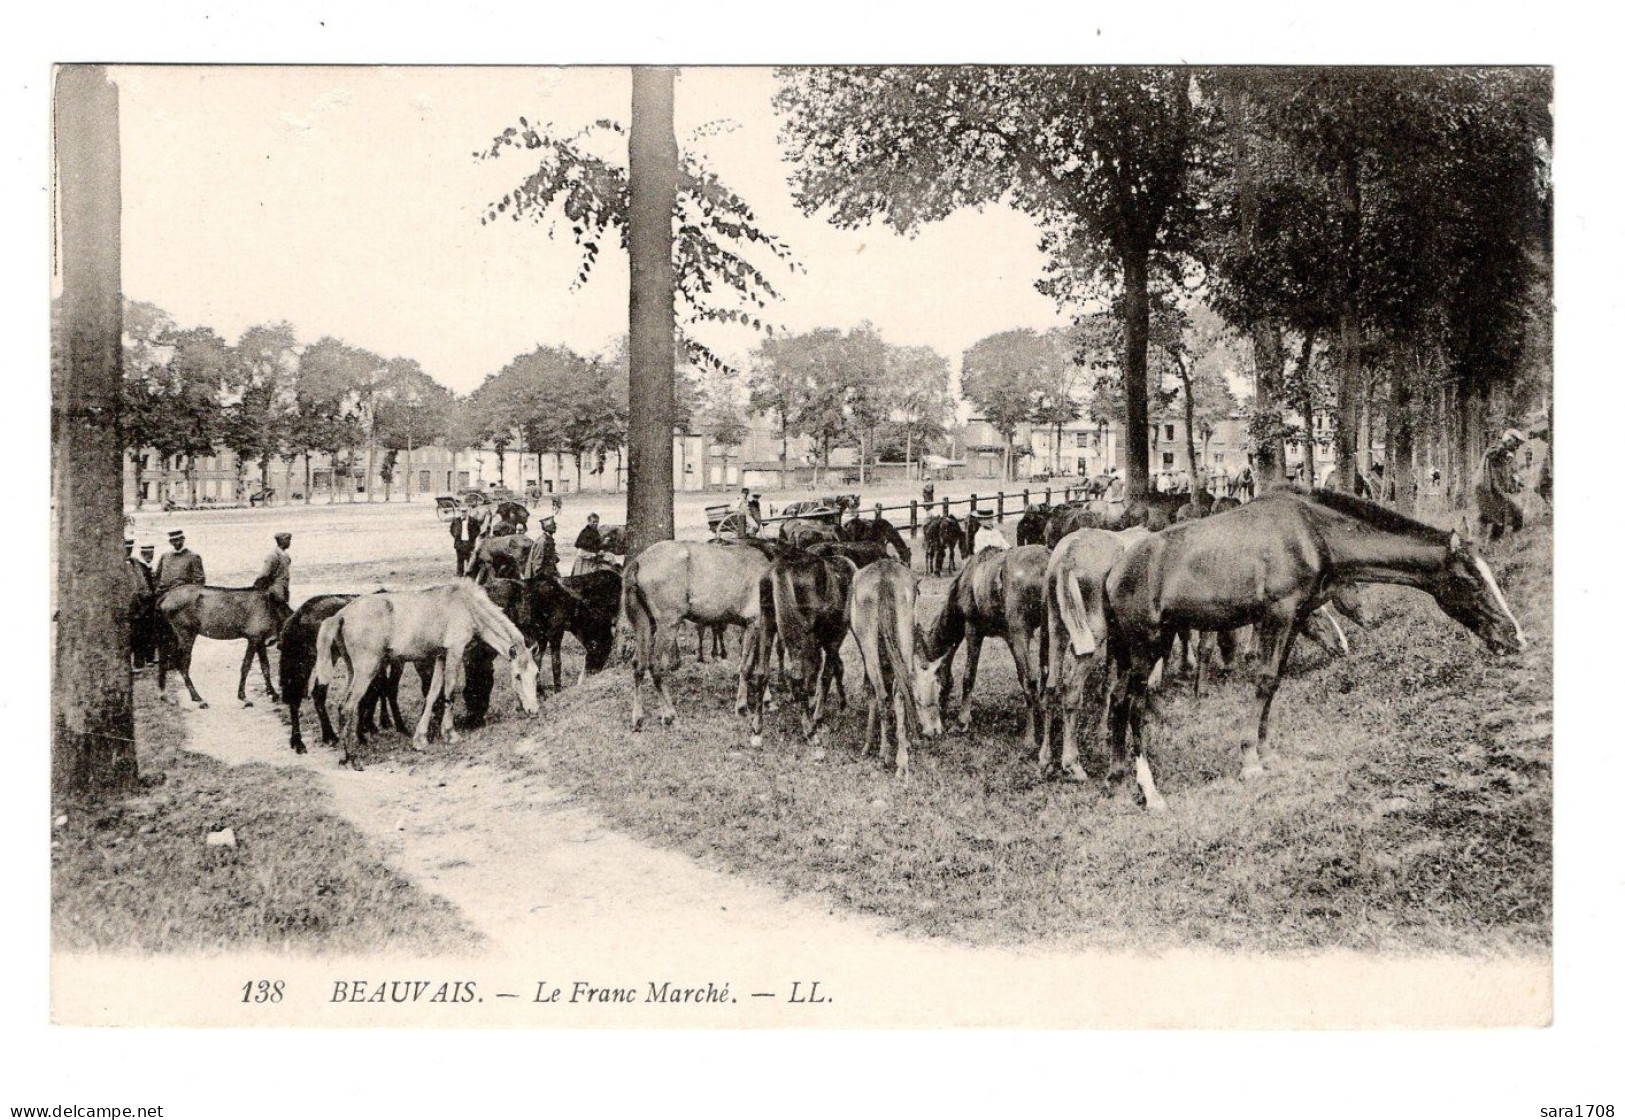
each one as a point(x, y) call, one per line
point(1251, 773)
point(299, 748)
point(355, 764)
point(275, 699)
point(248, 703)
point(1156, 806)
point(420, 744)
point(756, 740)
point(453, 737)
point(637, 725)
point(202, 703)
point(1074, 773)
point(667, 720)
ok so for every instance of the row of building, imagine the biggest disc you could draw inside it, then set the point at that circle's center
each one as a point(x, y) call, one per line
point(763, 461)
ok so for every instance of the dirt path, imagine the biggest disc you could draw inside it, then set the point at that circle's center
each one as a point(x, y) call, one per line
point(565, 899)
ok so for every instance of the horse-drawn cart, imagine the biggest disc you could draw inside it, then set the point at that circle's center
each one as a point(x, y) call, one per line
point(447, 508)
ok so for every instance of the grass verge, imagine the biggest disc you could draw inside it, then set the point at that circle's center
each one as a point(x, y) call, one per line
point(137, 875)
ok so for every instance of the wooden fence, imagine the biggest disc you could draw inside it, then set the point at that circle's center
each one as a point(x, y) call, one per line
point(1002, 505)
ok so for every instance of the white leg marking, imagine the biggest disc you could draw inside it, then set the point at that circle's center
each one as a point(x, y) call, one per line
point(1500, 599)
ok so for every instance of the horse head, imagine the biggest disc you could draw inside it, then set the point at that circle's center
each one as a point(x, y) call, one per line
point(928, 685)
point(523, 671)
point(1466, 590)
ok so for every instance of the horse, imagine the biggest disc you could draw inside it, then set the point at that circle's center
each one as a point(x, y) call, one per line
point(297, 660)
point(1069, 519)
point(999, 594)
point(943, 538)
point(799, 532)
point(613, 539)
point(1034, 520)
point(1157, 511)
point(224, 614)
point(896, 662)
point(803, 603)
point(437, 624)
point(861, 553)
point(1075, 614)
point(500, 557)
point(673, 581)
point(545, 609)
point(1270, 563)
point(877, 530)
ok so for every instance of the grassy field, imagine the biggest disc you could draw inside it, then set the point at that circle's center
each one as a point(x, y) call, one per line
point(1411, 810)
point(138, 876)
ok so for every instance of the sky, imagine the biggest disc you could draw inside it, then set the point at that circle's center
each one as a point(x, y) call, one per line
point(347, 200)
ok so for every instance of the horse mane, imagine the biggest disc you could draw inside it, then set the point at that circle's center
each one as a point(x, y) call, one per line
point(487, 612)
point(1370, 513)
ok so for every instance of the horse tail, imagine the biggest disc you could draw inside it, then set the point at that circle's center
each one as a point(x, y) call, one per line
point(787, 616)
point(894, 641)
point(1075, 614)
point(328, 639)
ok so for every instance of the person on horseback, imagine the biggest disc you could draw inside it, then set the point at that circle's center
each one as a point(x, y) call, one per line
point(543, 561)
point(278, 567)
point(178, 567)
point(1496, 483)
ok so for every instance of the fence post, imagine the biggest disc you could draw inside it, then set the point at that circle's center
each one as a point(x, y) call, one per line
point(880, 512)
point(913, 517)
point(945, 512)
point(973, 505)
point(1048, 501)
point(1026, 501)
point(1000, 507)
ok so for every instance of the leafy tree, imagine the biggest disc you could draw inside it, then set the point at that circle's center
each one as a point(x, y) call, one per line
point(188, 402)
point(917, 389)
point(328, 418)
point(1099, 157)
point(261, 394)
point(413, 410)
point(147, 328)
point(1001, 376)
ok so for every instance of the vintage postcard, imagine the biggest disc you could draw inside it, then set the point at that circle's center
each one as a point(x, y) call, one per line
point(916, 546)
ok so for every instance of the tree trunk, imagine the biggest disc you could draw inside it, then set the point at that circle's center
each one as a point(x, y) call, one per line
point(1400, 441)
point(1269, 361)
point(1136, 334)
point(1306, 407)
point(784, 450)
point(1349, 373)
point(652, 182)
point(408, 466)
point(92, 713)
point(1190, 423)
point(307, 478)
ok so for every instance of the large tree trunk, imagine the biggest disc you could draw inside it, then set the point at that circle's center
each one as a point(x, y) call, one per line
point(92, 713)
point(1399, 469)
point(652, 181)
point(1269, 362)
point(1136, 334)
point(1306, 407)
point(1350, 381)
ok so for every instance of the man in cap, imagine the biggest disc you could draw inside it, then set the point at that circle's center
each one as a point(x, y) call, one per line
point(139, 577)
point(543, 560)
point(278, 567)
point(1496, 483)
point(178, 566)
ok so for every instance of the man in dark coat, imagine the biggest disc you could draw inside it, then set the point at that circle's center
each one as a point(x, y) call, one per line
point(589, 540)
point(543, 560)
point(1496, 484)
point(278, 568)
point(140, 609)
point(179, 566)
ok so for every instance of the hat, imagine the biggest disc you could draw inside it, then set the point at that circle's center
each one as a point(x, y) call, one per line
point(1514, 435)
point(176, 534)
point(282, 534)
point(128, 541)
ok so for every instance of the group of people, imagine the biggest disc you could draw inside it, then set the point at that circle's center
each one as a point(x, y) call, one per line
point(151, 580)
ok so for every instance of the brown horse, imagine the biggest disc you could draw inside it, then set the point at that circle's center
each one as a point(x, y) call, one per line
point(804, 605)
point(1075, 611)
point(225, 614)
point(1069, 519)
point(999, 594)
point(437, 624)
point(877, 530)
point(673, 581)
point(896, 662)
point(296, 661)
point(800, 533)
point(861, 553)
point(943, 538)
point(1269, 564)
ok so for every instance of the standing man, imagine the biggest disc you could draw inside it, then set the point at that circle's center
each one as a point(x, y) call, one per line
point(543, 561)
point(928, 493)
point(1496, 483)
point(140, 612)
point(179, 566)
point(278, 566)
point(747, 522)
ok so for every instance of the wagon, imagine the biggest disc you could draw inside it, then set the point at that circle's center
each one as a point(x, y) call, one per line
point(447, 508)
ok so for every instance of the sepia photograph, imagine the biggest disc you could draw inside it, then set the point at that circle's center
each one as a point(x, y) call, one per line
point(975, 545)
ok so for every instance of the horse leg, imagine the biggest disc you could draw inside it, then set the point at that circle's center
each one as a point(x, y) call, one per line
point(184, 658)
point(363, 669)
point(1142, 755)
point(420, 734)
point(242, 677)
point(973, 652)
point(1206, 648)
point(451, 690)
point(900, 711)
point(1019, 652)
point(265, 671)
point(668, 713)
point(1275, 636)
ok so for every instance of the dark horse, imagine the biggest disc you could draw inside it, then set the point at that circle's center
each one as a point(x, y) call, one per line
point(1068, 519)
point(1268, 564)
point(803, 604)
point(297, 660)
point(999, 594)
point(546, 608)
point(861, 553)
point(944, 537)
point(1030, 529)
point(877, 530)
point(225, 614)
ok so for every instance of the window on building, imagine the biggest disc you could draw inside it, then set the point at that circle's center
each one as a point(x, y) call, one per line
point(1218, 456)
point(423, 480)
point(1167, 460)
point(1168, 432)
point(1083, 465)
point(462, 480)
point(1083, 439)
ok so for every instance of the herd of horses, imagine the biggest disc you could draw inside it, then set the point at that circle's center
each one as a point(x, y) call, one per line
point(1092, 602)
